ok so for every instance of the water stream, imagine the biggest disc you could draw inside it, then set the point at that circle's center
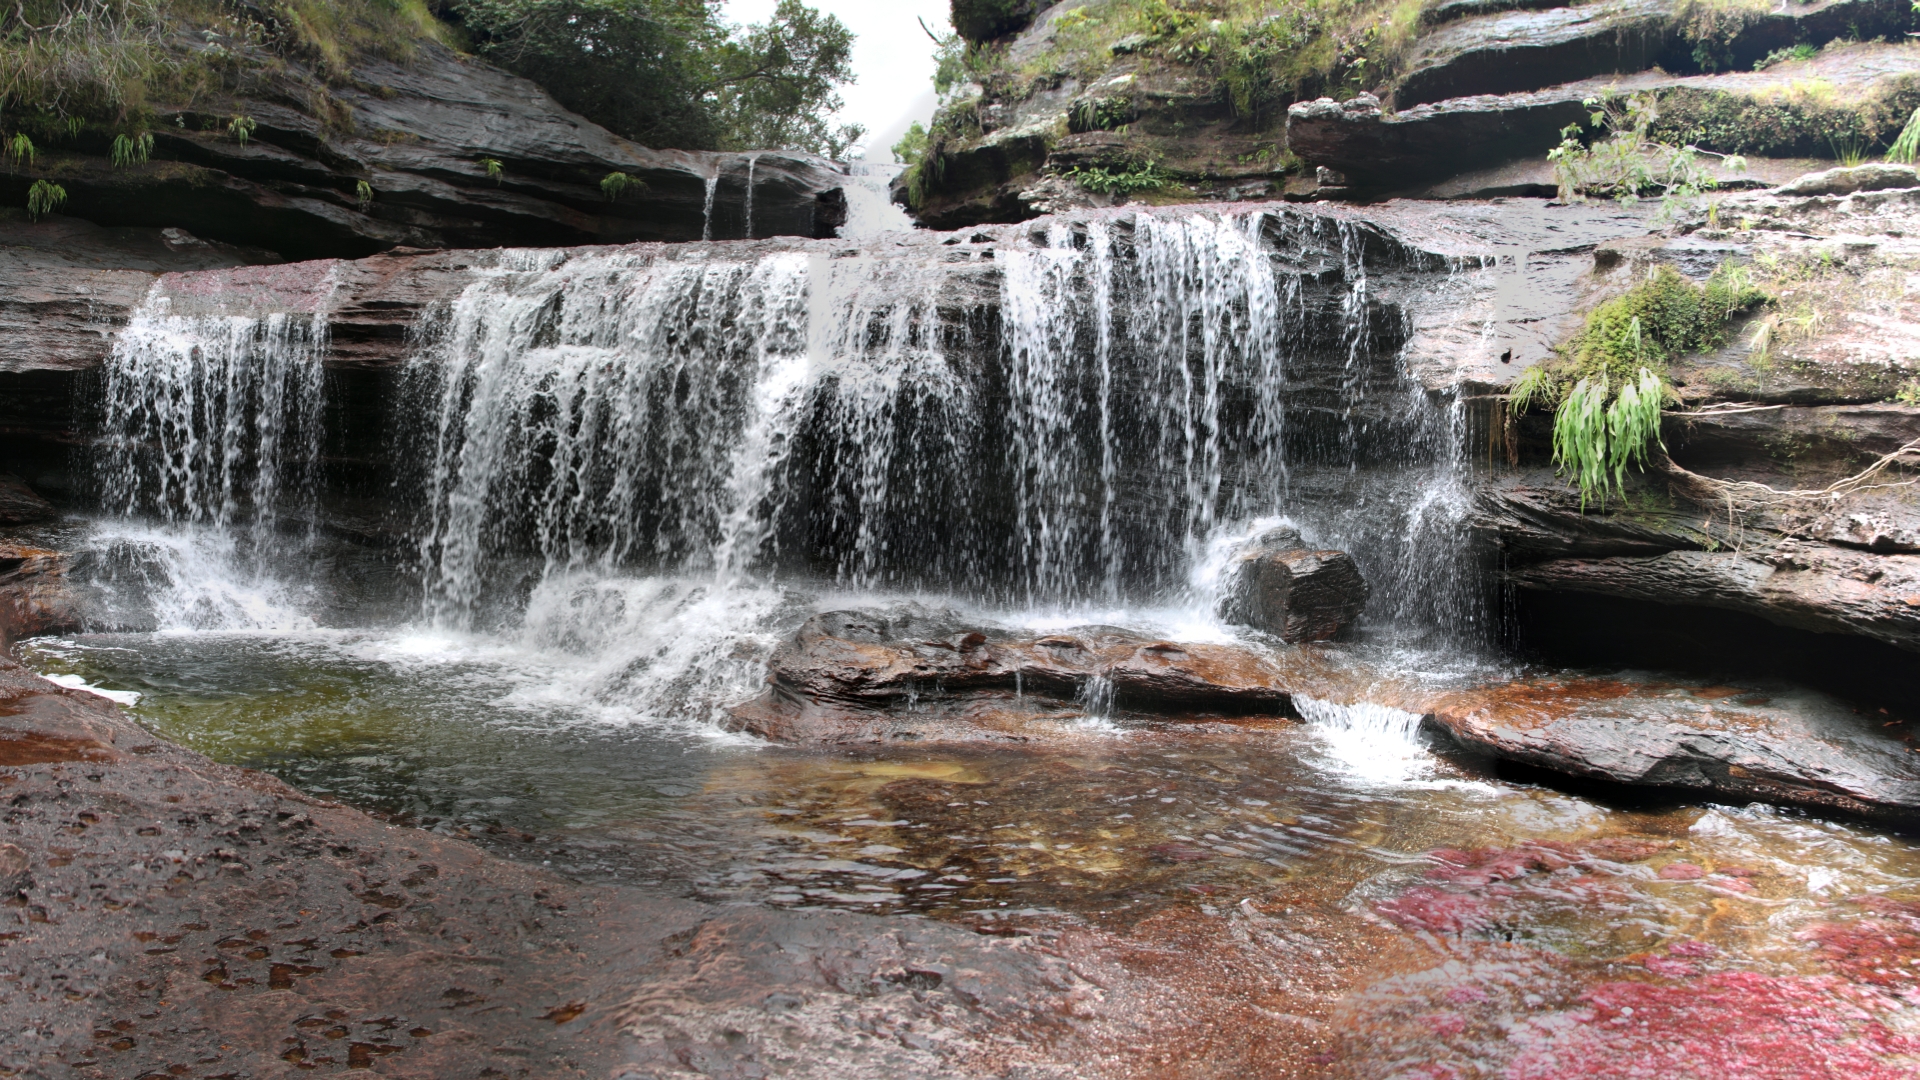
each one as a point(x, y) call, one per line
point(633, 472)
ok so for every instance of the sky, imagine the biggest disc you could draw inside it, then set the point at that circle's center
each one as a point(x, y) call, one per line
point(892, 58)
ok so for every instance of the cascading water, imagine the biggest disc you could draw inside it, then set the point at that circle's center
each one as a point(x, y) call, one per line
point(212, 418)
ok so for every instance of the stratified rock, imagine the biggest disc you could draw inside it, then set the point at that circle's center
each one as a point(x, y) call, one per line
point(400, 158)
point(1878, 176)
point(866, 675)
point(21, 505)
point(34, 596)
point(1277, 584)
point(985, 20)
point(1723, 741)
point(1526, 50)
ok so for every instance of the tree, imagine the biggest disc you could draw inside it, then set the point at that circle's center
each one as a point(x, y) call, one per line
point(671, 73)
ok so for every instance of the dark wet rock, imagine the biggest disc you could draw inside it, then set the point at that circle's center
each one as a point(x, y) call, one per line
point(1278, 584)
point(1723, 741)
point(985, 20)
point(21, 505)
point(866, 675)
point(1820, 587)
point(417, 133)
point(34, 595)
point(1526, 50)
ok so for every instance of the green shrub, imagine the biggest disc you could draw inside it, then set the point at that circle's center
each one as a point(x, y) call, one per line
point(1104, 181)
point(912, 145)
point(1626, 163)
point(1906, 146)
point(131, 150)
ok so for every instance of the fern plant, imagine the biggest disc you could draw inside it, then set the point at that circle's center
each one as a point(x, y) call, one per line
point(494, 169)
point(1906, 146)
point(20, 149)
point(43, 198)
point(131, 150)
point(615, 184)
point(363, 194)
point(242, 128)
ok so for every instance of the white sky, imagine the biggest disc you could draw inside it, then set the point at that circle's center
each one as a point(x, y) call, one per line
point(891, 55)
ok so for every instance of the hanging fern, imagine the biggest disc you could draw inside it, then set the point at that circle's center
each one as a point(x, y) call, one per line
point(131, 150)
point(43, 198)
point(1906, 147)
point(615, 184)
point(19, 149)
point(363, 193)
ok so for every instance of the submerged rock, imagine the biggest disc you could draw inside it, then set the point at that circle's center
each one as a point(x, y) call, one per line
point(864, 675)
point(1279, 585)
point(1723, 741)
point(34, 597)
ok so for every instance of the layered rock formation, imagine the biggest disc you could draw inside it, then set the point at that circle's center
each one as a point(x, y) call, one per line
point(1465, 103)
point(34, 596)
point(438, 151)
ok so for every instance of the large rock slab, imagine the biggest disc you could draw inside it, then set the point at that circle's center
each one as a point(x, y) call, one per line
point(1278, 584)
point(1526, 50)
point(418, 134)
point(849, 676)
point(1793, 748)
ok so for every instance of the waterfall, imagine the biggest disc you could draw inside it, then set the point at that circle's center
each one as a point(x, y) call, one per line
point(706, 206)
point(212, 418)
point(752, 160)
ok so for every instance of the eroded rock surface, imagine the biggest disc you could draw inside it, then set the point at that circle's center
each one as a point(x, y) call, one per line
point(1720, 740)
point(21, 505)
point(850, 676)
point(34, 596)
point(1280, 585)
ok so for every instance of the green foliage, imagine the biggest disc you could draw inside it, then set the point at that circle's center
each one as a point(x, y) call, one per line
point(20, 149)
point(43, 198)
point(363, 194)
point(1906, 146)
point(493, 168)
point(1780, 56)
point(912, 145)
point(1662, 317)
point(672, 73)
point(1610, 417)
point(1626, 162)
point(242, 128)
point(1105, 181)
point(615, 184)
point(131, 150)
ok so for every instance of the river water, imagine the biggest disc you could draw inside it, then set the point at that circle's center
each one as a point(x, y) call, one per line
point(634, 474)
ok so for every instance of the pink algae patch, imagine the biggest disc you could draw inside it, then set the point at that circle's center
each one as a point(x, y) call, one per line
point(1739, 1024)
point(1465, 885)
point(1681, 871)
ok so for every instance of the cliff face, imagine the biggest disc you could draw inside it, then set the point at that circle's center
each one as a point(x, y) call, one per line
point(440, 150)
point(1096, 101)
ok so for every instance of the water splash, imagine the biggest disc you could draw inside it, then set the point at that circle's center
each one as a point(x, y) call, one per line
point(1374, 744)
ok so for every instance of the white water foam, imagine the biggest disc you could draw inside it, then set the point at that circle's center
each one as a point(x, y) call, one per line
point(128, 698)
point(1371, 743)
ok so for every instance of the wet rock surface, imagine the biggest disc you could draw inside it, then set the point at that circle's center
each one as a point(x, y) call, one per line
point(862, 676)
point(21, 505)
point(1280, 585)
point(417, 134)
point(34, 595)
point(1723, 741)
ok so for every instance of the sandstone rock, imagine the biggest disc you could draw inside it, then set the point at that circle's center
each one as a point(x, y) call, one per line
point(34, 597)
point(1874, 177)
point(985, 20)
point(21, 505)
point(1279, 585)
point(1526, 50)
point(1723, 741)
point(866, 675)
point(417, 133)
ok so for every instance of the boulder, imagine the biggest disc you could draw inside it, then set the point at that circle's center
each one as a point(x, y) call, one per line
point(1878, 176)
point(913, 674)
point(34, 595)
point(1277, 584)
point(1731, 742)
point(21, 505)
point(986, 20)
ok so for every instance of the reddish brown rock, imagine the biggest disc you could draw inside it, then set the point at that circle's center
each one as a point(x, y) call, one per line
point(34, 598)
point(1724, 741)
point(861, 675)
point(21, 505)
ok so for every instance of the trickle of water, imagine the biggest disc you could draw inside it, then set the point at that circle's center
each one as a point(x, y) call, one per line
point(706, 206)
point(752, 161)
point(212, 419)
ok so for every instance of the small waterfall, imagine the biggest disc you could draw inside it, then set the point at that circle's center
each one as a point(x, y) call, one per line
point(212, 418)
point(706, 206)
point(1370, 742)
point(871, 210)
point(752, 161)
